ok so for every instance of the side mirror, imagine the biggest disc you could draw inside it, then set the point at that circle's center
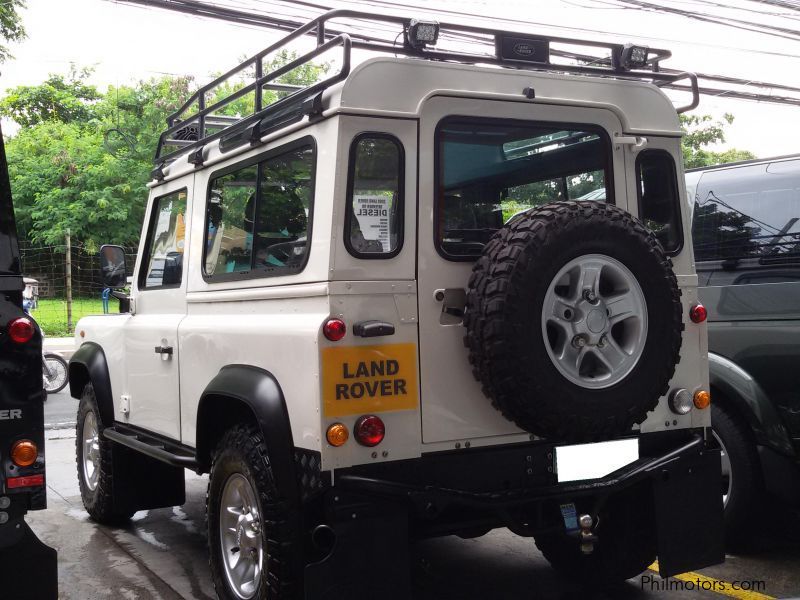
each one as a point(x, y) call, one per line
point(112, 266)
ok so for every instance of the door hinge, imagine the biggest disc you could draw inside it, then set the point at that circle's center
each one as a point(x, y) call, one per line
point(125, 405)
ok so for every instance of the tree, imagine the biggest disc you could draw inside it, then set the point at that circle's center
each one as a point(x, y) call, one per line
point(82, 158)
point(11, 28)
point(702, 131)
point(66, 99)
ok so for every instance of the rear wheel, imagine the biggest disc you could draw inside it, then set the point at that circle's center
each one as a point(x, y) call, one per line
point(94, 457)
point(254, 549)
point(626, 542)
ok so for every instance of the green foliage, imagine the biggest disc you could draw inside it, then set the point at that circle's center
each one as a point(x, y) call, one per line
point(702, 131)
point(82, 158)
point(11, 28)
point(66, 99)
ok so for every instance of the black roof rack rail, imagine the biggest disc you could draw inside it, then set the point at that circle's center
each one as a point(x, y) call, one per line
point(196, 123)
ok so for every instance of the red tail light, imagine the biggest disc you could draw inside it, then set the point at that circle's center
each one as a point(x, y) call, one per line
point(369, 430)
point(334, 329)
point(698, 313)
point(21, 330)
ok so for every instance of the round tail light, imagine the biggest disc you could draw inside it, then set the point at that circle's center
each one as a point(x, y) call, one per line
point(21, 330)
point(334, 329)
point(698, 313)
point(369, 430)
point(24, 453)
point(702, 399)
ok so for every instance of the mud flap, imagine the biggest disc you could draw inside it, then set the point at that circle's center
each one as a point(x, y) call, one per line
point(689, 519)
point(28, 567)
point(144, 483)
point(369, 558)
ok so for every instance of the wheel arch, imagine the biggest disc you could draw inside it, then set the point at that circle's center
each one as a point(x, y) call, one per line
point(89, 365)
point(737, 390)
point(245, 392)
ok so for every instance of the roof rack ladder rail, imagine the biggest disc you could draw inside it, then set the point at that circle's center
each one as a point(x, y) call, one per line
point(693, 85)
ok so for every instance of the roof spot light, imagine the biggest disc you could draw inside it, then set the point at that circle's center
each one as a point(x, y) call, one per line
point(422, 33)
point(632, 57)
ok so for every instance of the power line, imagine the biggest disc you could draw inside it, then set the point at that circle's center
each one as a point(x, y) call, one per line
point(279, 21)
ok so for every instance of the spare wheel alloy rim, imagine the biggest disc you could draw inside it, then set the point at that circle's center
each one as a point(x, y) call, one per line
point(240, 536)
point(594, 321)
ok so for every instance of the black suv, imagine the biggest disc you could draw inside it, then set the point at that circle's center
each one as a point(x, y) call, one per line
point(746, 230)
point(27, 566)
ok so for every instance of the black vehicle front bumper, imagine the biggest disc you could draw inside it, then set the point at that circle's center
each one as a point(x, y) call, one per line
point(373, 511)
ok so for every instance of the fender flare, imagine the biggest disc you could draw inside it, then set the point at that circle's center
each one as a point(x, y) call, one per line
point(750, 400)
point(89, 364)
point(258, 390)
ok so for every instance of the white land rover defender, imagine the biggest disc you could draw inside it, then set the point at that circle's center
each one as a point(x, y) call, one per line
point(389, 304)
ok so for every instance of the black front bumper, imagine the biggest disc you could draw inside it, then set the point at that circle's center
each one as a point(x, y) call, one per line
point(374, 510)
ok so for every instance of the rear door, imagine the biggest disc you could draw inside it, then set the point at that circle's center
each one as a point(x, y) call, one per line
point(475, 174)
point(151, 345)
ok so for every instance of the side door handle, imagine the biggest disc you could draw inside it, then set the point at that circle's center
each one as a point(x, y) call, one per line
point(165, 352)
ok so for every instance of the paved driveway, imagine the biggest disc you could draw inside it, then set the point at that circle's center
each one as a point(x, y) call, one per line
point(162, 555)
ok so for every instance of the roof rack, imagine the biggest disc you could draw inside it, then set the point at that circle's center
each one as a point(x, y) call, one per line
point(196, 123)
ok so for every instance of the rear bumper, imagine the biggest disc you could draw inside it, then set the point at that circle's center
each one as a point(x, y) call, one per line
point(469, 492)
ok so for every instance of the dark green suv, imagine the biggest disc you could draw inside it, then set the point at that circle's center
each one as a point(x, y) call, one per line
point(746, 231)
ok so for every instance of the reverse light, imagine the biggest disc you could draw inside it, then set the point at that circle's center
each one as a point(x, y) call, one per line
point(369, 430)
point(698, 313)
point(337, 434)
point(680, 401)
point(24, 453)
point(334, 329)
point(21, 482)
point(21, 330)
point(702, 399)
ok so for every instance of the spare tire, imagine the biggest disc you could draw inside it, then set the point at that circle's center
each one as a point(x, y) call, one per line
point(573, 321)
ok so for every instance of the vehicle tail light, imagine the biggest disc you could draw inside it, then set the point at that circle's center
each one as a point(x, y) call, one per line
point(334, 329)
point(369, 430)
point(21, 482)
point(698, 313)
point(21, 330)
point(680, 401)
point(24, 453)
point(337, 434)
point(702, 399)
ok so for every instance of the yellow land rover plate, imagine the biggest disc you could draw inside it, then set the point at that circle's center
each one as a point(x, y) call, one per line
point(367, 379)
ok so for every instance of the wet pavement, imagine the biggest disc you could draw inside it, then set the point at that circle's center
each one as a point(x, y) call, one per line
point(162, 554)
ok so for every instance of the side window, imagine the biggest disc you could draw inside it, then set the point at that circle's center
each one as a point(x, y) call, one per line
point(659, 200)
point(258, 217)
point(374, 217)
point(749, 213)
point(163, 265)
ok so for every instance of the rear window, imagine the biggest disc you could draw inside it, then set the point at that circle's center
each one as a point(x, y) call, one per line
point(748, 212)
point(659, 201)
point(489, 172)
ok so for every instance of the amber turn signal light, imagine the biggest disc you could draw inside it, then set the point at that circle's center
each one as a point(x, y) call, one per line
point(702, 399)
point(24, 453)
point(337, 434)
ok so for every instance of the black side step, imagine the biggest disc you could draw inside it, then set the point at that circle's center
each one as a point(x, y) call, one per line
point(154, 447)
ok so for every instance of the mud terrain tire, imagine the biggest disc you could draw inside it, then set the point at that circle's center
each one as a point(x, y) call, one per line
point(507, 340)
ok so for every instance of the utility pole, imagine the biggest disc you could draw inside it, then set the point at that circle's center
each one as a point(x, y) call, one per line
point(69, 281)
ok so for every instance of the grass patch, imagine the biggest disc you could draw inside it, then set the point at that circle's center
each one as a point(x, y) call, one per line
point(51, 314)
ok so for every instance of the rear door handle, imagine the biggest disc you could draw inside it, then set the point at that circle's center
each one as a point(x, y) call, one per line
point(162, 350)
point(373, 329)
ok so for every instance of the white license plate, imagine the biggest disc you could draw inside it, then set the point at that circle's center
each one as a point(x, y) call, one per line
point(591, 461)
